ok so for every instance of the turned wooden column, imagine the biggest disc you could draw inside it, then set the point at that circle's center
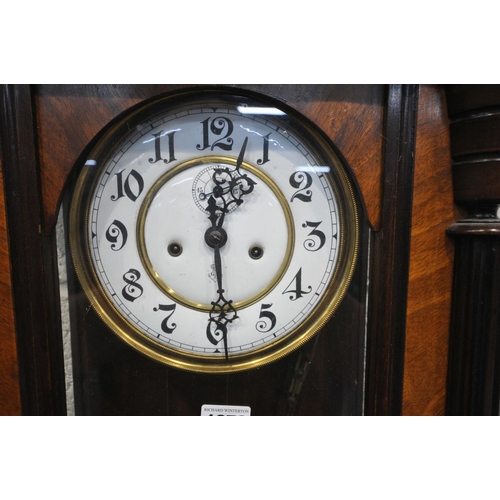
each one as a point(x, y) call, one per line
point(474, 356)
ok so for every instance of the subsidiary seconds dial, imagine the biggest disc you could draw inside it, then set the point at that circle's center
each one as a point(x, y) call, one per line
point(212, 231)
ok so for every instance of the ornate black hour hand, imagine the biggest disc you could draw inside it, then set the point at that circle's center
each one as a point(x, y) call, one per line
point(240, 184)
point(230, 185)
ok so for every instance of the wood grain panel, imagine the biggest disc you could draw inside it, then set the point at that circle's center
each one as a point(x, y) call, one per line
point(10, 402)
point(353, 117)
point(69, 117)
point(431, 262)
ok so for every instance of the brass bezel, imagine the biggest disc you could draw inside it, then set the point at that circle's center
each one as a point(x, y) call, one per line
point(348, 218)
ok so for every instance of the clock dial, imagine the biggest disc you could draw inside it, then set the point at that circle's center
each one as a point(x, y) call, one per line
point(214, 232)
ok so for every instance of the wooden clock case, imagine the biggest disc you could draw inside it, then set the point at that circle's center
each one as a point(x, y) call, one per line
point(396, 138)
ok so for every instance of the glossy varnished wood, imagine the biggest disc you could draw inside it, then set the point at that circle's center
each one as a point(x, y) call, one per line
point(474, 112)
point(431, 261)
point(34, 289)
point(42, 143)
point(474, 369)
point(70, 116)
point(467, 99)
point(474, 354)
point(386, 339)
point(478, 133)
point(476, 181)
point(10, 402)
point(373, 129)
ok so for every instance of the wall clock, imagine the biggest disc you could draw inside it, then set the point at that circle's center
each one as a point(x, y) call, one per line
point(214, 230)
point(58, 140)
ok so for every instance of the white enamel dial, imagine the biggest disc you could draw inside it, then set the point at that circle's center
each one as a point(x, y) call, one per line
point(147, 266)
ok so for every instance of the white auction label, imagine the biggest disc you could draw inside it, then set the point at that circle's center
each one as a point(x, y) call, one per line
point(225, 411)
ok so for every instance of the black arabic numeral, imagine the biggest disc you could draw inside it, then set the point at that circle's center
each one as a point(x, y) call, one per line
point(217, 127)
point(170, 146)
point(117, 235)
point(170, 308)
point(132, 290)
point(311, 244)
point(216, 331)
point(267, 319)
point(296, 291)
point(265, 152)
point(132, 186)
point(205, 136)
point(301, 181)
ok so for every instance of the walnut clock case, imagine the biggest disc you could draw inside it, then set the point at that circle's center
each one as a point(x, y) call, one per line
point(216, 231)
point(223, 245)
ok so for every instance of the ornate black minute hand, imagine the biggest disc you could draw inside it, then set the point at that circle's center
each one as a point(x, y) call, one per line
point(222, 311)
point(229, 189)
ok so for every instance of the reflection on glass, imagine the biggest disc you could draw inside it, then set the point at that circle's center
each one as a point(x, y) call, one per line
point(252, 110)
